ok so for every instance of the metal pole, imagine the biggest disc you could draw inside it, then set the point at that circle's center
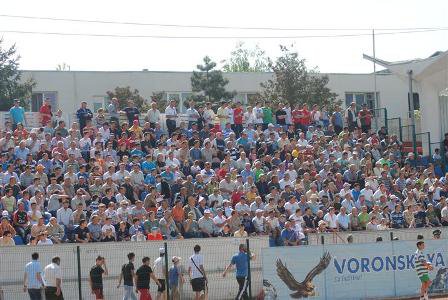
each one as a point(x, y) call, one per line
point(400, 130)
point(374, 70)
point(411, 104)
point(78, 258)
point(322, 239)
point(249, 277)
point(167, 280)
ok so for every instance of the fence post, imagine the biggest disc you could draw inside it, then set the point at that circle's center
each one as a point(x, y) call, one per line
point(386, 123)
point(429, 146)
point(249, 278)
point(78, 258)
point(167, 279)
point(391, 236)
point(322, 239)
point(400, 130)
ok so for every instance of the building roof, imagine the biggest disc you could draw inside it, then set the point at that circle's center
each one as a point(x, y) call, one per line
point(421, 68)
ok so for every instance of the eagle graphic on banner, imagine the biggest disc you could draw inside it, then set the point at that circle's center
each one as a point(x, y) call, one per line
point(305, 288)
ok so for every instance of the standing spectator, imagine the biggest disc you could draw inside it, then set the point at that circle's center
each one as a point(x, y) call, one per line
point(175, 278)
point(350, 117)
point(241, 263)
point(365, 118)
point(17, 114)
point(96, 277)
point(153, 115)
point(131, 112)
point(83, 114)
point(113, 109)
point(32, 280)
point(142, 278)
point(160, 274)
point(171, 115)
point(127, 274)
point(196, 270)
point(192, 114)
point(238, 119)
point(53, 278)
point(45, 112)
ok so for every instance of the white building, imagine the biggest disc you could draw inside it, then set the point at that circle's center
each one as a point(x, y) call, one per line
point(67, 88)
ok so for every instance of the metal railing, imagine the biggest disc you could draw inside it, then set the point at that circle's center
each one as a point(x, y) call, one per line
point(394, 127)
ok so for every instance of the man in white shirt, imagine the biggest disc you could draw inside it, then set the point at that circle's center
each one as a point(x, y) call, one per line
point(192, 114)
point(331, 220)
point(220, 220)
point(159, 272)
point(153, 115)
point(209, 115)
point(197, 273)
point(171, 115)
point(52, 277)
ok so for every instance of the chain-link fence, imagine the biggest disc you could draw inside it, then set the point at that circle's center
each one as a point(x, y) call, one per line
point(379, 118)
point(394, 127)
point(75, 272)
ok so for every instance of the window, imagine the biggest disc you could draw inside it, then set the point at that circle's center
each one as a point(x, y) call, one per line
point(361, 98)
point(416, 98)
point(37, 100)
point(100, 102)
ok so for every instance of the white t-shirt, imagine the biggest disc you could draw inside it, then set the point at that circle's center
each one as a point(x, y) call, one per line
point(51, 273)
point(198, 260)
point(331, 220)
point(159, 266)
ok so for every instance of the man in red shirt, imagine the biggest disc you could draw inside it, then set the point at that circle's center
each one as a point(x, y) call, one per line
point(365, 117)
point(304, 118)
point(238, 119)
point(45, 112)
point(296, 115)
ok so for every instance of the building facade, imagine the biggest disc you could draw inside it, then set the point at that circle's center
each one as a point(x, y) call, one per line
point(67, 88)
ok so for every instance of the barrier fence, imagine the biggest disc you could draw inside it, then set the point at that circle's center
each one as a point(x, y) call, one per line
point(379, 118)
point(76, 261)
point(356, 271)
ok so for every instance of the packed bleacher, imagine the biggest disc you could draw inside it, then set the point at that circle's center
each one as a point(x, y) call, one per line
point(270, 169)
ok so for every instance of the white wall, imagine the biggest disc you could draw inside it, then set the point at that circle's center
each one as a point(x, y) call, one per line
point(73, 86)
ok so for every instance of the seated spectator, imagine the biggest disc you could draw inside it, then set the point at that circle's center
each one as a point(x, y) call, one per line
point(55, 231)
point(6, 239)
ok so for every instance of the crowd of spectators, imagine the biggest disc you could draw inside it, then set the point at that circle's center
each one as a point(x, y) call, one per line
point(270, 169)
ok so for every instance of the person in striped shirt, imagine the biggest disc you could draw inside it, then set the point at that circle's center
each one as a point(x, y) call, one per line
point(422, 266)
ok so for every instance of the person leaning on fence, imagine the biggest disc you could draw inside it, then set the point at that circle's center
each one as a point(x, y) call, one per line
point(32, 279)
point(52, 277)
point(96, 277)
point(198, 278)
point(127, 275)
point(241, 262)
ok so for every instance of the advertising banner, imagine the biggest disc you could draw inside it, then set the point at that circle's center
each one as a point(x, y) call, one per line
point(351, 271)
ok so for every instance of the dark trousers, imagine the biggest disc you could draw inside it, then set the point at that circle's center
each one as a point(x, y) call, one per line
point(35, 294)
point(171, 126)
point(242, 288)
point(237, 128)
point(50, 293)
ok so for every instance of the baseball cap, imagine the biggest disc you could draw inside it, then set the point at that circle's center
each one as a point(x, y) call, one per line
point(207, 211)
point(162, 250)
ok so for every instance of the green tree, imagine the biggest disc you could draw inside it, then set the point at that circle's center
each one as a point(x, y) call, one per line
point(209, 84)
point(295, 83)
point(123, 94)
point(11, 84)
point(243, 59)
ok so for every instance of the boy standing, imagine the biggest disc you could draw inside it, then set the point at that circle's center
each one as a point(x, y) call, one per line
point(421, 267)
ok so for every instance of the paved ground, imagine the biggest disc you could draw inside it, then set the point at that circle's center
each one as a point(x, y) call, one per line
point(417, 298)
